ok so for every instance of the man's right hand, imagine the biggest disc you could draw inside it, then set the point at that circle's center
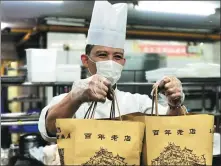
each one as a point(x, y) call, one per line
point(94, 88)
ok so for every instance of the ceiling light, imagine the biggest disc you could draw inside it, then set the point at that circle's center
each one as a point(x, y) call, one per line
point(4, 25)
point(178, 7)
point(52, 2)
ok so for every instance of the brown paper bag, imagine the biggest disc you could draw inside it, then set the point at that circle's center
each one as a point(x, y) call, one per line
point(176, 140)
point(99, 142)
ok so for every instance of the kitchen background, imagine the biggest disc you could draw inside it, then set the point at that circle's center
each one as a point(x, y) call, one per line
point(158, 43)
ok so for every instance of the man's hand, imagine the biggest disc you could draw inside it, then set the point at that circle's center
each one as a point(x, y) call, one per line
point(172, 89)
point(94, 88)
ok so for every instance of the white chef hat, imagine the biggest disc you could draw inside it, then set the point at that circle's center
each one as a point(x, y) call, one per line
point(108, 25)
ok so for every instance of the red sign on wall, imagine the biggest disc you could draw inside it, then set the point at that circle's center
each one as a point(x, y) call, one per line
point(173, 50)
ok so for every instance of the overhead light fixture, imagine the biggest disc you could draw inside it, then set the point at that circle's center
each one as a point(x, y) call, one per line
point(65, 21)
point(4, 25)
point(178, 7)
point(52, 2)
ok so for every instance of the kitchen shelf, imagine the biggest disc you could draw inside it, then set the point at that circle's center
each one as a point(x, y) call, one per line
point(20, 81)
point(202, 79)
point(186, 82)
point(19, 123)
point(25, 100)
point(13, 79)
point(183, 83)
point(119, 84)
point(37, 84)
point(19, 115)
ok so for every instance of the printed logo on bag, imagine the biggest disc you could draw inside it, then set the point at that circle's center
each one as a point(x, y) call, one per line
point(211, 131)
point(104, 157)
point(174, 155)
point(114, 137)
point(62, 136)
point(58, 129)
point(87, 135)
point(179, 132)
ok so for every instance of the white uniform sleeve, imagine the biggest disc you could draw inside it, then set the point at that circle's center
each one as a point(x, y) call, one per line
point(145, 105)
point(41, 122)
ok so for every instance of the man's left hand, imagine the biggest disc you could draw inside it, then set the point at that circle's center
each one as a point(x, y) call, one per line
point(172, 89)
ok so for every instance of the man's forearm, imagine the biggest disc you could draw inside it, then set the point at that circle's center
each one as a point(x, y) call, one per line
point(65, 109)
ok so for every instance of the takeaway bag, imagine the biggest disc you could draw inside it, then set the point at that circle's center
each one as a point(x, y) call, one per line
point(99, 142)
point(177, 140)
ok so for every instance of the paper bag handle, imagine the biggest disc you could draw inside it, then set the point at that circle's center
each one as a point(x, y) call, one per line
point(91, 110)
point(155, 101)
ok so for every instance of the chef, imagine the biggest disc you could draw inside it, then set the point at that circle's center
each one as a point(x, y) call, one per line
point(104, 59)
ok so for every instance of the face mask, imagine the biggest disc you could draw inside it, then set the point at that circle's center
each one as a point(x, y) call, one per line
point(109, 69)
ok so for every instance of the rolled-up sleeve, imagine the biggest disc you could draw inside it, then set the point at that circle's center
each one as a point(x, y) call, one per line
point(41, 122)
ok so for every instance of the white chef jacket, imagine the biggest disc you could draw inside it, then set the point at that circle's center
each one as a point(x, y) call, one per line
point(128, 103)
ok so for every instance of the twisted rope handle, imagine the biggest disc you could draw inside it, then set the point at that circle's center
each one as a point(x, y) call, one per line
point(155, 101)
point(118, 108)
point(91, 110)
